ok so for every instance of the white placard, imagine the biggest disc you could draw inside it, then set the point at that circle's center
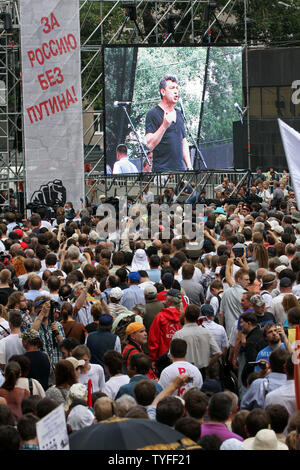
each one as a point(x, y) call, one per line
point(52, 431)
point(52, 105)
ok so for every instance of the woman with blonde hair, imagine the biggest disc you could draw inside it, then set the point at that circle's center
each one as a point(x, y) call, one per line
point(260, 258)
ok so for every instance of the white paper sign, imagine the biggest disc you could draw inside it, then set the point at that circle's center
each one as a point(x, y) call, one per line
point(52, 106)
point(52, 431)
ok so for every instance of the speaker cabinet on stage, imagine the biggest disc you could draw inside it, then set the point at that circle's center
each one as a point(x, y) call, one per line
point(266, 148)
point(272, 72)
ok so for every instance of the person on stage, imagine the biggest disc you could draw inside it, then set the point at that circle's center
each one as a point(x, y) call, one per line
point(123, 165)
point(165, 131)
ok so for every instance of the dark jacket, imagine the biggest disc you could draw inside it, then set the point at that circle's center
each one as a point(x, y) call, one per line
point(152, 308)
point(255, 342)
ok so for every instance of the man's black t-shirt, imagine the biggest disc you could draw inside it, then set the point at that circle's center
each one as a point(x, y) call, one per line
point(168, 154)
point(267, 317)
point(39, 367)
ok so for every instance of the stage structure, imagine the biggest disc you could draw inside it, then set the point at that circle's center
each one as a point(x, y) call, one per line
point(101, 22)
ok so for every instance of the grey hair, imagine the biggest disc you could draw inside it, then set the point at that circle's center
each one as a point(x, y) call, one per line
point(73, 252)
point(259, 227)
point(234, 398)
point(163, 81)
point(124, 404)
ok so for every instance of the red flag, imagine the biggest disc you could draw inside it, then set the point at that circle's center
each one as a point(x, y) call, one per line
point(89, 400)
point(296, 359)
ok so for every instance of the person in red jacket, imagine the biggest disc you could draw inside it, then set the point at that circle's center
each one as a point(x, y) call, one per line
point(164, 325)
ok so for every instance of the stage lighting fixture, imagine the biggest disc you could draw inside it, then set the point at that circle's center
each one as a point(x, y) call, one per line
point(130, 8)
point(6, 18)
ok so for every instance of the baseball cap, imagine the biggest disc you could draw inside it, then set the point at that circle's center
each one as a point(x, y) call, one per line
point(219, 210)
point(207, 310)
point(19, 232)
point(174, 293)
point(134, 276)
point(296, 216)
point(39, 302)
point(257, 300)
point(150, 291)
point(80, 417)
point(106, 320)
point(116, 293)
point(76, 363)
point(280, 268)
point(284, 260)
point(278, 229)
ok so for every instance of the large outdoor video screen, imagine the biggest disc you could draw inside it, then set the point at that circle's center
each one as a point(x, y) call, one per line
point(171, 109)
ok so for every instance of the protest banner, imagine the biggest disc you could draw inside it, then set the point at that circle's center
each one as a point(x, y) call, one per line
point(52, 106)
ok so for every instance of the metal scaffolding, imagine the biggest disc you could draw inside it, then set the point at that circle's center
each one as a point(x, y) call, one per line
point(102, 22)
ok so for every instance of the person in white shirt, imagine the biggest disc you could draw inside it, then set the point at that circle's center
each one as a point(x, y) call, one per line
point(114, 362)
point(147, 196)
point(216, 291)
point(276, 307)
point(180, 365)
point(94, 372)
point(123, 165)
point(218, 332)
point(12, 344)
point(284, 395)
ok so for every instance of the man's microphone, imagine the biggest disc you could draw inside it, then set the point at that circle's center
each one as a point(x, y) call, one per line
point(121, 103)
point(181, 107)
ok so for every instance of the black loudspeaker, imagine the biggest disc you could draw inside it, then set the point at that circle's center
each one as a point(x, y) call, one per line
point(265, 144)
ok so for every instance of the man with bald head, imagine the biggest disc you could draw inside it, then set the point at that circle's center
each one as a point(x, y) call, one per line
point(16, 250)
point(35, 287)
point(29, 253)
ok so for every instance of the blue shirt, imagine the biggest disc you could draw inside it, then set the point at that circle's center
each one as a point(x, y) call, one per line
point(132, 296)
point(154, 275)
point(128, 389)
point(256, 393)
point(264, 354)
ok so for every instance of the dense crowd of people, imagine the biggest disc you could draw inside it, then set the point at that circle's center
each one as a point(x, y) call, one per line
point(199, 339)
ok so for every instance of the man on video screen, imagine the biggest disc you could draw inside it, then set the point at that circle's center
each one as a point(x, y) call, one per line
point(165, 132)
point(123, 165)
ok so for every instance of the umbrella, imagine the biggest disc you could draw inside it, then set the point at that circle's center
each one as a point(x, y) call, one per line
point(130, 434)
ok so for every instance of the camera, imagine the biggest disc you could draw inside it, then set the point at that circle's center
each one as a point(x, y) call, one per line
point(53, 307)
point(238, 252)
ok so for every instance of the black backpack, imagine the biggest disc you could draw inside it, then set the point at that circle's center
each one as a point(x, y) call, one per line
point(228, 378)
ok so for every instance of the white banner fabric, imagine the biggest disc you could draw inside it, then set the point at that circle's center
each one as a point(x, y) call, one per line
point(291, 144)
point(52, 106)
